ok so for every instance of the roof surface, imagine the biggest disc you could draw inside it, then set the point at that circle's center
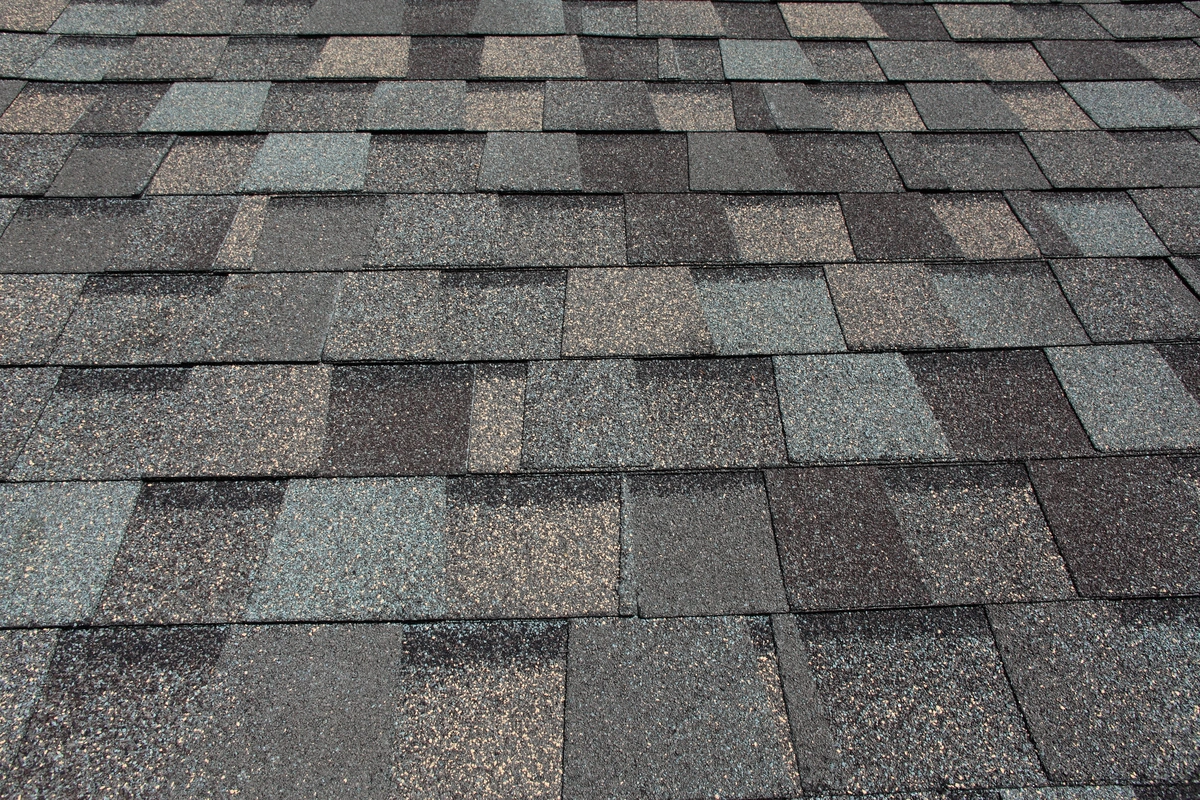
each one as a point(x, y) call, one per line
point(583, 399)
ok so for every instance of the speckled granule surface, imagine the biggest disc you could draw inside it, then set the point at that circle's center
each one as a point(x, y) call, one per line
point(600, 399)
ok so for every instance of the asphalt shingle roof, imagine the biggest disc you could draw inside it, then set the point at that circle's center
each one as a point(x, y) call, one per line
point(600, 399)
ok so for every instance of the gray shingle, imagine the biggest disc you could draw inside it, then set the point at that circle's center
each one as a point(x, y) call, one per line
point(309, 162)
point(110, 166)
point(78, 58)
point(19, 50)
point(701, 545)
point(843, 61)
point(1103, 160)
point(205, 165)
point(315, 233)
point(68, 235)
point(1121, 300)
point(417, 105)
point(522, 16)
point(972, 162)
point(168, 58)
point(961, 106)
point(29, 163)
point(855, 408)
point(497, 106)
point(786, 230)
point(31, 15)
point(689, 60)
point(33, 311)
point(562, 231)
point(733, 162)
point(791, 106)
point(362, 57)
point(1167, 20)
point(532, 57)
point(693, 107)
point(824, 21)
point(1132, 104)
point(1075, 664)
point(1093, 224)
point(209, 107)
point(1128, 397)
point(356, 16)
point(631, 681)
point(865, 107)
point(23, 393)
point(664, 18)
point(267, 58)
point(926, 61)
point(837, 162)
point(598, 105)
point(765, 60)
point(192, 17)
point(530, 162)
point(1175, 216)
point(634, 162)
point(438, 229)
point(616, 18)
point(424, 163)
point(296, 106)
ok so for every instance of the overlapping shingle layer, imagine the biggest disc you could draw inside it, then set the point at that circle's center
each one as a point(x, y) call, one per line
point(599, 399)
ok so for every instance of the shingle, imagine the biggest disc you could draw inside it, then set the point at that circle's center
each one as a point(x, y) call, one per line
point(63, 539)
point(1091, 61)
point(602, 18)
point(1128, 397)
point(168, 58)
point(825, 21)
point(29, 163)
point(1175, 216)
point(24, 657)
point(33, 311)
point(187, 318)
point(209, 107)
point(633, 162)
point(23, 393)
point(1062, 21)
point(522, 16)
point(362, 57)
point(612, 59)
point(318, 233)
point(202, 421)
point(438, 229)
point(121, 108)
point(110, 166)
point(962, 725)
point(979, 21)
point(190, 552)
point(398, 420)
point(690, 60)
point(664, 18)
point(1121, 300)
point(1103, 160)
point(1189, 270)
point(1132, 104)
point(896, 226)
point(532, 547)
point(1178, 60)
point(48, 108)
point(110, 696)
point(926, 61)
point(267, 58)
point(733, 162)
point(326, 703)
point(956, 535)
point(674, 229)
point(67, 235)
point(113, 19)
point(278, 18)
point(765, 60)
point(417, 105)
point(457, 315)
point(439, 17)
point(693, 107)
point(745, 21)
point(1149, 21)
point(855, 408)
point(842, 61)
point(788, 230)
point(701, 545)
point(798, 107)
point(560, 230)
point(9, 91)
point(31, 15)
point(885, 306)
point(821, 162)
point(315, 107)
point(497, 106)
point(752, 311)
point(866, 107)
point(1077, 666)
point(961, 106)
point(999, 404)
point(354, 549)
point(631, 681)
point(424, 163)
point(309, 162)
point(174, 233)
point(1093, 224)
point(78, 58)
point(1009, 62)
point(452, 744)
point(907, 22)
point(1123, 524)
point(531, 57)
point(633, 311)
point(1184, 360)
point(582, 414)
point(1043, 107)
point(497, 411)
point(192, 17)
point(964, 161)
point(359, 16)
point(445, 57)
point(19, 50)
point(598, 105)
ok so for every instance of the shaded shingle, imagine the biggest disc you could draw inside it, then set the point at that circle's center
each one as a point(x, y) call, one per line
point(444, 57)
point(67, 235)
point(316, 233)
point(78, 58)
point(964, 161)
point(1091, 61)
point(1103, 160)
point(735, 162)
point(747, 21)
point(1128, 397)
point(961, 106)
point(1043, 107)
point(1147, 21)
point(1175, 216)
point(765, 60)
point(560, 230)
point(417, 105)
point(842, 61)
point(1074, 664)
point(979, 21)
point(355, 16)
point(531, 57)
point(1128, 299)
point(277, 18)
point(110, 166)
point(1124, 524)
point(665, 18)
point(689, 60)
point(611, 59)
point(438, 229)
point(630, 678)
point(701, 545)
point(48, 108)
point(598, 106)
point(23, 393)
point(519, 16)
point(309, 162)
point(999, 404)
point(267, 58)
point(205, 165)
point(31, 15)
point(209, 107)
point(890, 226)
point(1092, 224)
point(295, 106)
point(786, 106)
point(1132, 104)
point(168, 58)
point(362, 57)
point(907, 22)
point(675, 229)
point(192, 17)
point(121, 108)
point(633, 162)
point(29, 163)
point(926, 61)
point(33, 311)
point(424, 163)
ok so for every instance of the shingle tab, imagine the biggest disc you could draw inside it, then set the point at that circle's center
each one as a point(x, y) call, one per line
point(530, 162)
point(309, 162)
point(1132, 104)
point(209, 107)
point(1122, 300)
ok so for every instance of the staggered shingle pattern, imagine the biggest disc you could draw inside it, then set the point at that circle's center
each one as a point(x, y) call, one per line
point(599, 399)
